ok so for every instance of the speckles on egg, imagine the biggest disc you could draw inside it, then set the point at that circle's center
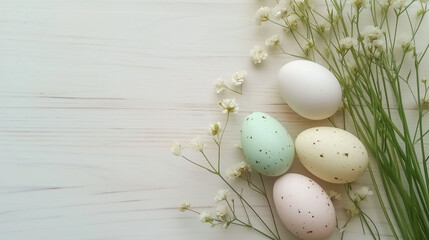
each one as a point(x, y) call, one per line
point(332, 154)
point(303, 206)
point(267, 146)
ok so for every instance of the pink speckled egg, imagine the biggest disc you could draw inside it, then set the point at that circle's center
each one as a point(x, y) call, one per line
point(304, 207)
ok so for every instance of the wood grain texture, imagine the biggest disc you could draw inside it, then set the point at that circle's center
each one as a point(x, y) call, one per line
point(93, 92)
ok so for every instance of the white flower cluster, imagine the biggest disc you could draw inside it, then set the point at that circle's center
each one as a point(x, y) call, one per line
point(323, 27)
point(176, 149)
point(361, 193)
point(273, 41)
point(347, 43)
point(258, 54)
point(356, 196)
point(333, 195)
point(221, 195)
point(351, 209)
point(281, 10)
point(358, 4)
point(222, 213)
point(291, 21)
point(262, 15)
point(229, 105)
point(220, 85)
point(308, 46)
point(373, 39)
point(238, 170)
point(184, 206)
point(406, 43)
point(205, 217)
point(197, 144)
point(237, 80)
point(214, 129)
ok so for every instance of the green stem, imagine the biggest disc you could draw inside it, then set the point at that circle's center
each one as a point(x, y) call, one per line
point(201, 166)
point(269, 205)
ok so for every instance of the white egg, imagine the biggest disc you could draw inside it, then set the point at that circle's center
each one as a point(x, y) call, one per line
point(304, 207)
point(310, 89)
point(332, 154)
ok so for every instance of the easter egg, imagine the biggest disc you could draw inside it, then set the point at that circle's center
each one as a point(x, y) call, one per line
point(266, 144)
point(332, 154)
point(309, 89)
point(304, 207)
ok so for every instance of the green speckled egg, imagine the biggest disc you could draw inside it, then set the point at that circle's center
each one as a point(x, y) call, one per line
point(267, 146)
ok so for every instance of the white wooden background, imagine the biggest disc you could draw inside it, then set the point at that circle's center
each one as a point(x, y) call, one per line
point(93, 92)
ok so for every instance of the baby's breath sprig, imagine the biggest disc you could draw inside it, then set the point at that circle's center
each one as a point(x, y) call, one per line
point(226, 212)
point(237, 81)
point(352, 208)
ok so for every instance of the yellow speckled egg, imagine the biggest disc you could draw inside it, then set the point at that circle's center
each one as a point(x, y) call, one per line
point(332, 154)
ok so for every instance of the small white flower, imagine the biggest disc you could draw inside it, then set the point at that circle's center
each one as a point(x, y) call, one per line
point(281, 11)
point(351, 209)
point(258, 54)
point(262, 15)
point(292, 22)
point(273, 40)
point(205, 217)
point(322, 28)
point(229, 105)
point(362, 192)
point(221, 195)
point(374, 40)
point(214, 129)
point(334, 195)
point(184, 206)
point(176, 149)
point(424, 80)
point(406, 43)
point(348, 43)
point(372, 33)
point(421, 12)
point(378, 44)
point(197, 144)
point(238, 170)
point(219, 85)
point(238, 78)
point(358, 4)
point(222, 212)
point(308, 47)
